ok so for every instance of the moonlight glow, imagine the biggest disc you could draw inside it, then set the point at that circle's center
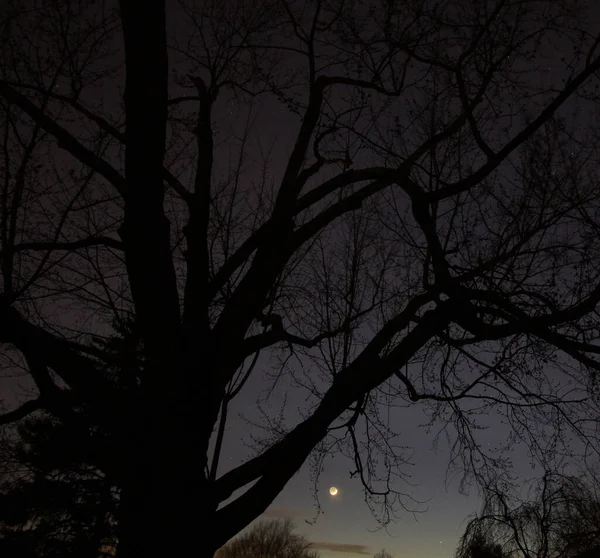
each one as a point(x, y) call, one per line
point(333, 491)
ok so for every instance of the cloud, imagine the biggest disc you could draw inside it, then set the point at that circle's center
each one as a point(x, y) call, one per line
point(338, 547)
point(279, 512)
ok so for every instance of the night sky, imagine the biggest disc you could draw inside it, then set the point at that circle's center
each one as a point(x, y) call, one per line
point(344, 523)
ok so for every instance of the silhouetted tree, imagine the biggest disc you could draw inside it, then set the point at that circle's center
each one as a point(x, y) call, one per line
point(479, 547)
point(55, 500)
point(422, 231)
point(383, 553)
point(561, 519)
point(269, 539)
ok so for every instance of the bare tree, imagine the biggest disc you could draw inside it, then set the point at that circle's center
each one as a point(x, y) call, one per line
point(383, 553)
point(422, 231)
point(269, 539)
point(478, 546)
point(558, 519)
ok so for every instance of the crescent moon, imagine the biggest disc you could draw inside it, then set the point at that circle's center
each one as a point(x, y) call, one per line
point(333, 491)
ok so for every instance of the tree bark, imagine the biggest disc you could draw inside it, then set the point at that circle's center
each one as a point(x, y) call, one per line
point(165, 507)
point(165, 503)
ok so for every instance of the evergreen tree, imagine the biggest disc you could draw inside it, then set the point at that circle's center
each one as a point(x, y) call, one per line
point(55, 499)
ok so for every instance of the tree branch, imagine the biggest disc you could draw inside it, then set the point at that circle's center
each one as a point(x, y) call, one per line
point(280, 462)
point(274, 252)
point(75, 370)
point(477, 176)
point(340, 181)
point(22, 411)
point(327, 216)
point(255, 240)
point(105, 126)
point(64, 138)
point(351, 377)
point(67, 246)
point(195, 317)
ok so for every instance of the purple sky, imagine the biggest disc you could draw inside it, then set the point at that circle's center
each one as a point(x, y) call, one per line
point(345, 524)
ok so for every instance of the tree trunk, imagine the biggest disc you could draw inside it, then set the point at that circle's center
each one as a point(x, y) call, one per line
point(166, 505)
point(154, 522)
